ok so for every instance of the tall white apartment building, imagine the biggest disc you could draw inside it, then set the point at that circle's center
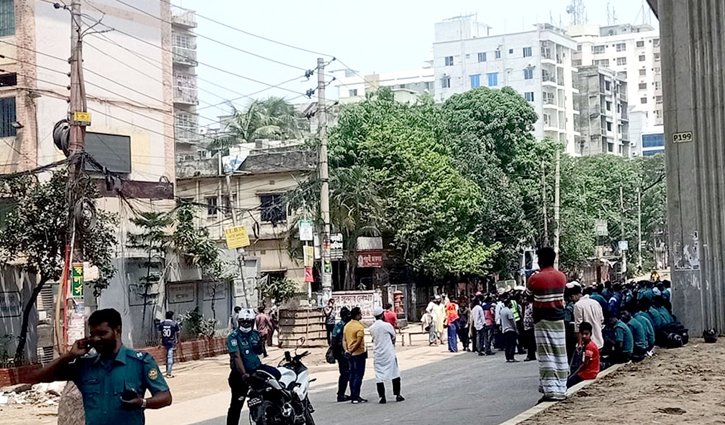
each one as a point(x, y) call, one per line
point(633, 51)
point(537, 64)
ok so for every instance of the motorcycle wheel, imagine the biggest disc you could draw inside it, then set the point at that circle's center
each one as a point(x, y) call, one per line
point(258, 414)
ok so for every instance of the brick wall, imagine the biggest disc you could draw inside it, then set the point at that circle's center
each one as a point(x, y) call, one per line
point(16, 375)
point(190, 350)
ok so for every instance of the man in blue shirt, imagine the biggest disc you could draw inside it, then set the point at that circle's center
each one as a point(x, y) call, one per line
point(648, 329)
point(114, 379)
point(622, 344)
point(169, 336)
point(245, 346)
point(615, 303)
point(639, 336)
point(343, 363)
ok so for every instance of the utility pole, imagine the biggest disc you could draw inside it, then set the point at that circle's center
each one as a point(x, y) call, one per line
point(621, 226)
point(543, 197)
point(639, 230)
point(240, 251)
point(557, 200)
point(325, 179)
point(78, 119)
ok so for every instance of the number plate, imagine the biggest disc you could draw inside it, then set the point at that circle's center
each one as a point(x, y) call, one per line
point(254, 401)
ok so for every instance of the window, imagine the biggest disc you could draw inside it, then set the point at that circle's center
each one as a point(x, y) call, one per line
point(184, 41)
point(446, 82)
point(658, 114)
point(609, 106)
point(641, 58)
point(642, 72)
point(482, 57)
point(578, 47)
point(7, 111)
point(621, 61)
point(576, 62)
point(492, 79)
point(621, 47)
point(112, 151)
point(610, 147)
point(7, 17)
point(228, 204)
point(7, 80)
point(212, 206)
point(609, 126)
point(658, 71)
point(657, 57)
point(527, 52)
point(602, 62)
point(653, 140)
point(607, 85)
point(511, 51)
point(658, 99)
point(272, 208)
point(529, 95)
point(528, 73)
point(449, 60)
point(640, 43)
point(475, 81)
point(643, 86)
point(642, 100)
point(598, 50)
point(353, 92)
point(656, 42)
point(498, 54)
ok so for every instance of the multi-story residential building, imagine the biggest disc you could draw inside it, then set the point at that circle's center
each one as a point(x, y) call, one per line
point(535, 63)
point(351, 85)
point(186, 120)
point(633, 51)
point(603, 117)
point(267, 170)
point(129, 92)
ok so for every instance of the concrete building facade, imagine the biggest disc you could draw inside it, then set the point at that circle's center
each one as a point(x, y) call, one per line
point(352, 86)
point(186, 98)
point(603, 117)
point(129, 91)
point(633, 52)
point(537, 64)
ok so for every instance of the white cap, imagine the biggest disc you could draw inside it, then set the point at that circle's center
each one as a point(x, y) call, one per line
point(377, 311)
point(437, 297)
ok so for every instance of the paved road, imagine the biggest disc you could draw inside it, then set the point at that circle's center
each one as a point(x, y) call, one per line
point(464, 388)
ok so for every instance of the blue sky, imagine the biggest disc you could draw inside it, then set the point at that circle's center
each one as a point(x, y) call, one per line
point(369, 36)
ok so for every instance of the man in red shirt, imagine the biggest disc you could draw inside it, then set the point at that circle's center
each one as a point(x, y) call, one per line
point(548, 286)
point(589, 369)
point(390, 316)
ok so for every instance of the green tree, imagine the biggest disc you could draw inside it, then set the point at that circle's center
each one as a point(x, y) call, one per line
point(273, 118)
point(35, 235)
point(203, 252)
point(154, 240)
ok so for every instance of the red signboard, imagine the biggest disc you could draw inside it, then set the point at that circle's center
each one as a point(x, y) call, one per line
point(370, 259)
point(309, 276)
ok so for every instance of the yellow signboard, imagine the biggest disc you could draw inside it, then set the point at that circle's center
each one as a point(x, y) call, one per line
point(83, 118)
point(309, 256)
point(237, 237)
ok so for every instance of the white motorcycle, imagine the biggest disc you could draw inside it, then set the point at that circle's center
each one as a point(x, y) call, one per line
point(284, 401)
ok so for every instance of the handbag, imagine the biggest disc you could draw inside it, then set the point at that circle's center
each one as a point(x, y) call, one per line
point(330, 355)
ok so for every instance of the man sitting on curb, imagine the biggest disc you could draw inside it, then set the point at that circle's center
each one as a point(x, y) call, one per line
point(619, 348)
point(589, 368)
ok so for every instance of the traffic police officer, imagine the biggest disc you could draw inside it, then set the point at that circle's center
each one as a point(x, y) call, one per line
point(114, 379)
point(244, 349)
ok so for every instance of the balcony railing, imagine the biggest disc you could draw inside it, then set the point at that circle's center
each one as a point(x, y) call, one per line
point(549, 101)
point(548, 77)
point(186, 133)
point(186, 95)
point(184, 56)
point(183, 17)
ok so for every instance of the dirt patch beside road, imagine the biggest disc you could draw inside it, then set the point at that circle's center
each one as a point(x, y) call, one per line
point(684, 385)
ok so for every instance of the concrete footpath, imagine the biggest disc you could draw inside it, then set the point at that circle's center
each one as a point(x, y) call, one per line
point(440, 387)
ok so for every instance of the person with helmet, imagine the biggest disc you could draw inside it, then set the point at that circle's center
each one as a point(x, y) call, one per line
point(245, 346)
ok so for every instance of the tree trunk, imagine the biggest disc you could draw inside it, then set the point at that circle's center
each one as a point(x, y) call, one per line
point(70, 406)
point(146, 295)
point(350, 270)
point(22, 339)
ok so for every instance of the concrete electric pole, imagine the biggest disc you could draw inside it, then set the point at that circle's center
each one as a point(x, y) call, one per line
point(557, 205)
point(621, 226)
point(325, 179)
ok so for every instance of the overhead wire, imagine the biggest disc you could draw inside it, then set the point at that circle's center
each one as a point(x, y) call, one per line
point(212, 39)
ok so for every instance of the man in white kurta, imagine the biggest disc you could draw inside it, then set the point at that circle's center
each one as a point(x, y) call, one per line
point(384, 359)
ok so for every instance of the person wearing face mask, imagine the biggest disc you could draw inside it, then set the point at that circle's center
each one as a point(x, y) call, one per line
point(245, 346)
point(113, 380)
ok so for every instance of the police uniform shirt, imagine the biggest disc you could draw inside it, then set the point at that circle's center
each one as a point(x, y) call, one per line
point(103, 381)
point(247, 345)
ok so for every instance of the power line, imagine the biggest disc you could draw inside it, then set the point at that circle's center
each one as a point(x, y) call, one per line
point(212, 39)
